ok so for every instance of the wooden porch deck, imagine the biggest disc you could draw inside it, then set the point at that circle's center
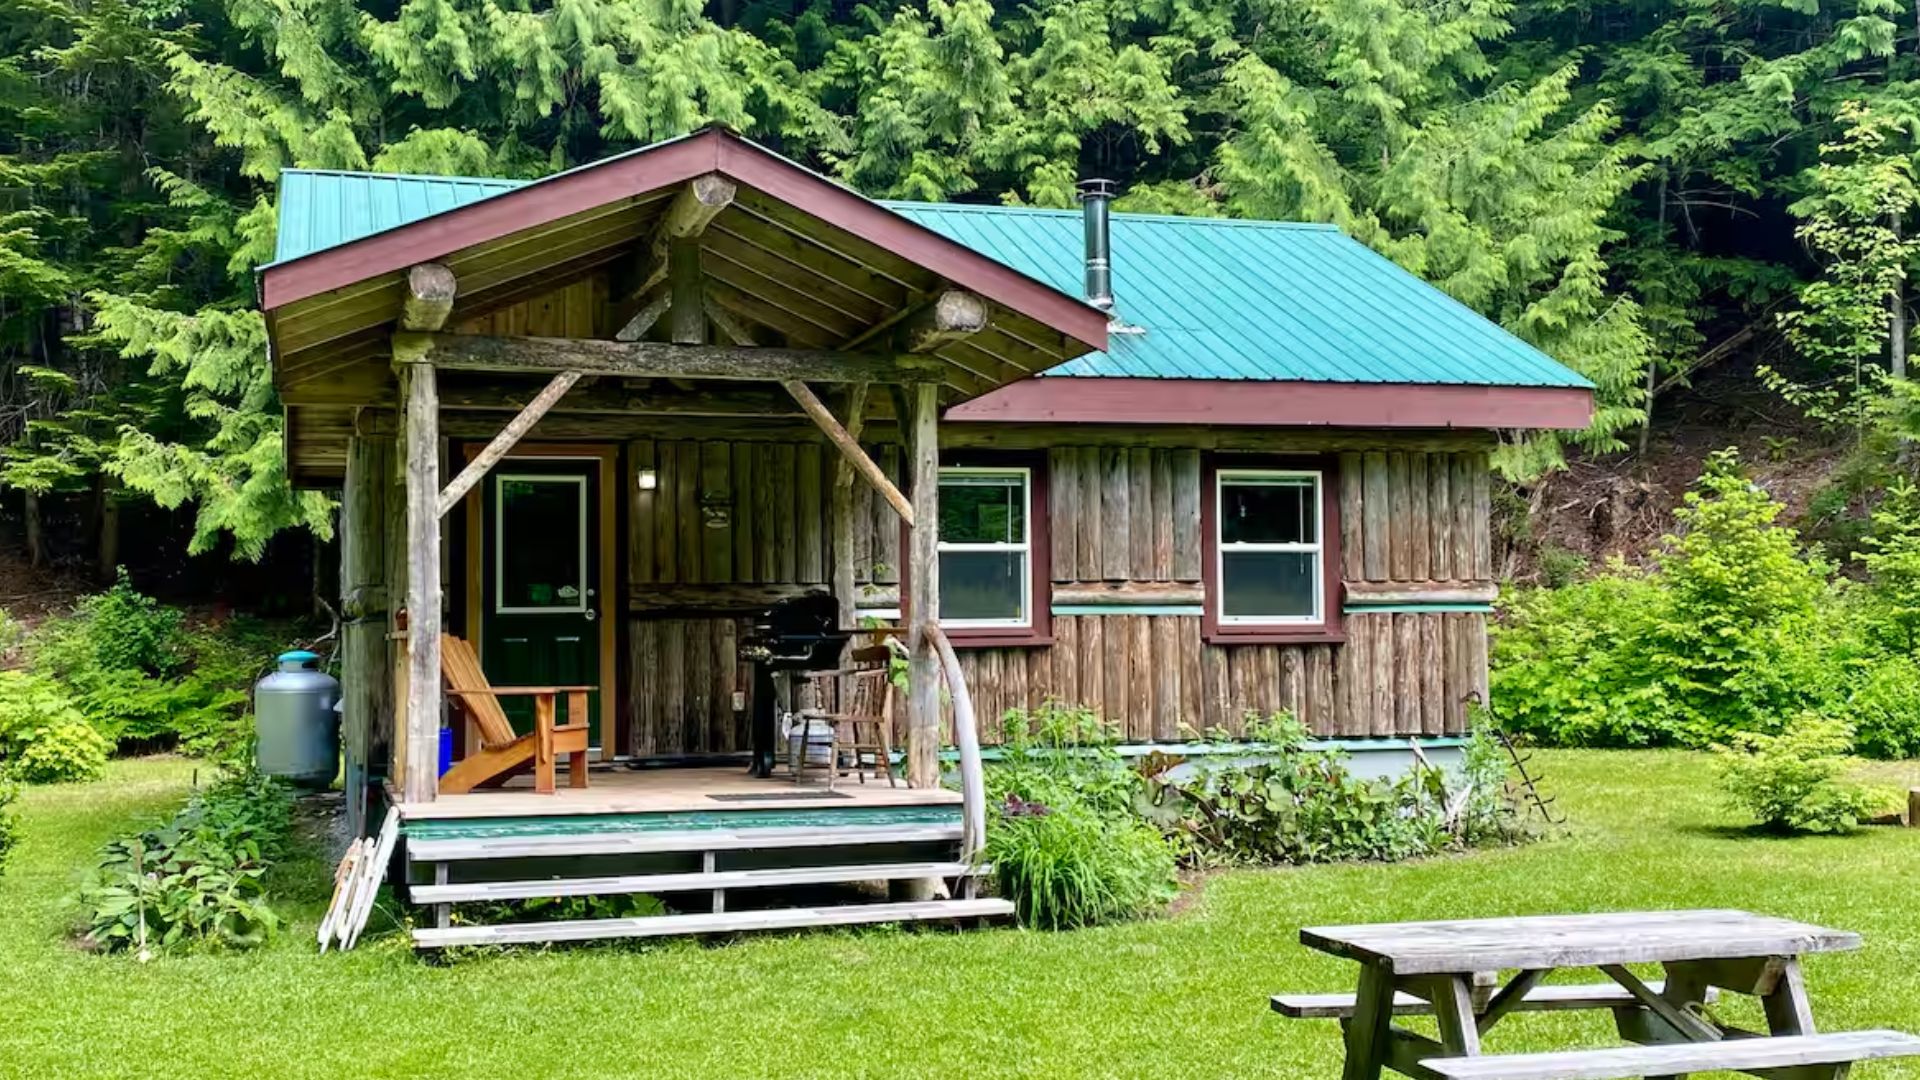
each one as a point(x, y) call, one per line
point(616, 789)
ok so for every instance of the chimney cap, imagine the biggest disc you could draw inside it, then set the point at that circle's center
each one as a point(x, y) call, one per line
point(1095, 188)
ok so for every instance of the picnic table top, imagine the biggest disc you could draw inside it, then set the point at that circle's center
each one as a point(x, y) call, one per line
point(1463, 946)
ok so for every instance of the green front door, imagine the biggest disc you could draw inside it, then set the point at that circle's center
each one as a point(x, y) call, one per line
point(539, 580)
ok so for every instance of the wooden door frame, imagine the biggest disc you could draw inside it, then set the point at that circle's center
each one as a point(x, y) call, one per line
point(608, 457)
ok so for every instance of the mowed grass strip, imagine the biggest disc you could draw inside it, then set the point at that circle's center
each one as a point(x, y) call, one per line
point(1180, 996)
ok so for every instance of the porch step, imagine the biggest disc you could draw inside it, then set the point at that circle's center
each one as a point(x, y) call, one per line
point(428, 849)
point(721, 923)
point(668, 883)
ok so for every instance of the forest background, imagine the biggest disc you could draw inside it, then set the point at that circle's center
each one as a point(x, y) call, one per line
point(1652, 192)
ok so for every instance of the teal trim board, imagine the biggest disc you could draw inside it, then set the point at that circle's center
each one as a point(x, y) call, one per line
point(1415, 609)
point(681, 821)
point(1128, 609)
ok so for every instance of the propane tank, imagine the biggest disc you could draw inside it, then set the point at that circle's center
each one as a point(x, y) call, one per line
point(297, 729)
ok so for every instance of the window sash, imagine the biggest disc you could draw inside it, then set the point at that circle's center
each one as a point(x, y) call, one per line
point(1225, 478)
point(1023, 547)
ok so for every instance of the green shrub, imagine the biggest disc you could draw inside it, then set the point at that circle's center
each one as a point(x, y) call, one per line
point(1066, 865)
point(1892, 559)
point(1063, 753)
point(9, 822)
point(43, 735)
point(1885, 710)
point(1570, 666)
point(199, 879)
point(61, 753)
point(143, 678)
point(1736, 628)
point(1792, 782)
point(1742, 601)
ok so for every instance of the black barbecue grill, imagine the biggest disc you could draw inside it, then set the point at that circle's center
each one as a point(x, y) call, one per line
point(800, 634)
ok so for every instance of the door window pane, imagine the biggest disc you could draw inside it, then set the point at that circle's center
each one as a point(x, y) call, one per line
point(540, 544)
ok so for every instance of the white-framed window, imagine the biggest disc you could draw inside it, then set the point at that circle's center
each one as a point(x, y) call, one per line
point(1269, 547)
point(986, 549)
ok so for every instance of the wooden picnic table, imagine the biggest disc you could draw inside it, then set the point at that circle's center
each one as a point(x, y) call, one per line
point(1451, 966)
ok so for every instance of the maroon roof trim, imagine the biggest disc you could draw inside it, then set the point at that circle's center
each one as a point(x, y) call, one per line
point(664, 165)
point(1077, 400)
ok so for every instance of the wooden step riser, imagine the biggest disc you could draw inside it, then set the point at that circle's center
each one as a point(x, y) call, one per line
point(651, 843)
point(718, 923)
point(695, 882)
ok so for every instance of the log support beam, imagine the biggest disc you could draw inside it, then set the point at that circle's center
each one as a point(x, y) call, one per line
point(660, 360)
point(840, 508)
point(503, 443)
point(952, 316)
point(686, 218)
point(420, 781)
point(429, 300)
point(849, 446)
point(923, 594)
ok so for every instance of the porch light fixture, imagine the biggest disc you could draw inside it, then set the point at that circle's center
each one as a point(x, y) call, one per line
point(649, 479)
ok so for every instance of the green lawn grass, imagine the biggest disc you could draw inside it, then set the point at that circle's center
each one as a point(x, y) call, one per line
point(1180, 996)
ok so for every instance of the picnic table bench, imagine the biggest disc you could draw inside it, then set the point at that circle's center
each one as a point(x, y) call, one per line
point(1449, 970)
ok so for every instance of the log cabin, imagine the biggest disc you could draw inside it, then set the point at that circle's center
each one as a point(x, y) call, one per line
point(1180, 471)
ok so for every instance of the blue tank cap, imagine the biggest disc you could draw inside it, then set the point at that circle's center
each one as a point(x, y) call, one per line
point(298, 656)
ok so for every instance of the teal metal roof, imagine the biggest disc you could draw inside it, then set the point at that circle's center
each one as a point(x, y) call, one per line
point(1218, 299)
point(320, 209)
point(1253, 300)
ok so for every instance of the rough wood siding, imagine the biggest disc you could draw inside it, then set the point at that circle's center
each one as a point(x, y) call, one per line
point(1124, 514)
point(729, 527)
point(1408, 516)
point(1416, 517)
point(578, 310)
point(727, 513)
point(685, 672)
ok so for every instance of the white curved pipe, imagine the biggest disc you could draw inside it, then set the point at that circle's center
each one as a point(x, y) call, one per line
point(966, 738)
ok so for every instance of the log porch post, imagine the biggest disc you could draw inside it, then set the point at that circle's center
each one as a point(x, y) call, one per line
point(365, 684)
point(923, 600)
point(421, 782)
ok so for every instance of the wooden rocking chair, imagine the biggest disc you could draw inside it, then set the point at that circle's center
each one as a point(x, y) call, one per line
point(502, 752)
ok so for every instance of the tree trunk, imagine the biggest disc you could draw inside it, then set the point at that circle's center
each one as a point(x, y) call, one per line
point(36, 544)
point(107, 560)
point(1653, 365)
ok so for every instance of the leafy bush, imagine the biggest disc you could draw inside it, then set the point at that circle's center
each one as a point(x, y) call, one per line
point(1066, 865)
point(1885, 710)
point(1791, 782)
point(1067, 843)
point(1295, 805)
point(1736, 628)
point(142, 677)
point(1082, 835)
point(199, 879)
point(67, 752)
point(9, 823)
point(1741, 597)
point(1570, 666)
point(43, 735)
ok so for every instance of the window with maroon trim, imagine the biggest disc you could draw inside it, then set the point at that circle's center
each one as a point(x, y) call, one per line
point(1271, 531)
point(993, 548)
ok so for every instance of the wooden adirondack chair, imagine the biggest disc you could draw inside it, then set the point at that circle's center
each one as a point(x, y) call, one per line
point(501, 751)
